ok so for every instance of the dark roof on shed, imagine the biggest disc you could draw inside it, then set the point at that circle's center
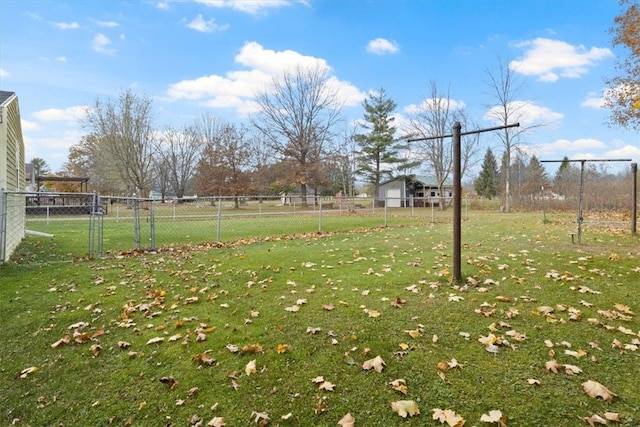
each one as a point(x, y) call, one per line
point(5, 95)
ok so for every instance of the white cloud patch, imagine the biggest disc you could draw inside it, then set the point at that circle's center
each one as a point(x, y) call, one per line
point(28, 125)
point(236, 89)
point(251, 6)
point(526, 113)
point(431, 104)
point(567, 145)
point(101, 44)
point(4, 73)
point(593, 102)
point(550, 59)
point(626, 152)
point(66, 25)
point(106, 24)
point(199, 24)
point(70, 114)
point(380, 46)
point(61, 58)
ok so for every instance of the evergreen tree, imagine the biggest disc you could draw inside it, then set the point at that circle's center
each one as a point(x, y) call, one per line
point(380, 151)
point(486, 185)
point(535, 178)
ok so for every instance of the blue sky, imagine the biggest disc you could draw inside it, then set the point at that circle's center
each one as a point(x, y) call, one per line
point(202, 56)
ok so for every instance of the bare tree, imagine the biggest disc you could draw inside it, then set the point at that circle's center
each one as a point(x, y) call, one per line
point(179, 151)
point(297, 117)
point(225, 166)
point(435, 117)
point(125, 126)
point(91, 157)
point(506, 109)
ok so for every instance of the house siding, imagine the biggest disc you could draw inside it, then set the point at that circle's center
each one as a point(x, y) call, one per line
point(12, 176)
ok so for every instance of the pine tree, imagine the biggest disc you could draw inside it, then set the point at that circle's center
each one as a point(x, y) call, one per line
point(486, 185)
point(380, 151)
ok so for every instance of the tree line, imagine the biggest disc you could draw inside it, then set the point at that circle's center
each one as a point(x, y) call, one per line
point(298, 139)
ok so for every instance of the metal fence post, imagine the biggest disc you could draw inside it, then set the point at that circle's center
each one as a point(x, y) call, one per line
point(99, 226)
point(136, 222)
point(386, 203)
point(92, 215)
point(218, 225)
point(152, 220)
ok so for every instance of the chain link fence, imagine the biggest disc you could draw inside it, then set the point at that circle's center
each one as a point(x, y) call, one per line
point(87, 224)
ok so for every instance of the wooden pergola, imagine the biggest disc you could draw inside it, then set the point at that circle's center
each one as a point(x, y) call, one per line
point(84, 182)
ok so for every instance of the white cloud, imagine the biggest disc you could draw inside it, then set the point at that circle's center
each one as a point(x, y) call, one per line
point(565, 145)
point(70, 114)
point(4, 73)
point(28, 125)
point(199, 24)
point(236, 89)
point(593, 102)
point(526, 113)
point(551, 59)
point(66, 25)
point(382, 46)
point(430, 104)
point(626, 152)
point(61, 58)
point(106, 24)
point(101, 43)
point(250, 6)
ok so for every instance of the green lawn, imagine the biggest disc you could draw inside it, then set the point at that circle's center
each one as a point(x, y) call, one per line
point(158, 339)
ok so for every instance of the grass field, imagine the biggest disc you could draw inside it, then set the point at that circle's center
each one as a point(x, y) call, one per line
point(240, 333)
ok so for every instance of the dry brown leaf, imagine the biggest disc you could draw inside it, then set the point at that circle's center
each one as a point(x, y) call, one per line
point(261, 418)
point(27, 371)
point(216, 422)
point(170, 381)
point(283, 348)
point(376, 363)
point(449, 417)
point(594, 419)
point(399, 385)
point(595, 389)
point(250, 368)
point(347, 421)
point(494, 416)
point(405, 408)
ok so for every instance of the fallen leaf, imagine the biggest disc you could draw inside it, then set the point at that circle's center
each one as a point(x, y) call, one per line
point(405, 407)
point(594, 419)
point(250, 367)
point(449, 417)
point(27, 371)
point(283, 348)
point(155, 340)
point(494, 416)
point(347, 421)
point(216, 422)
point(261, 418)
point(170, 381)
point(595, 389)
point(376, 363)
point(399, 385)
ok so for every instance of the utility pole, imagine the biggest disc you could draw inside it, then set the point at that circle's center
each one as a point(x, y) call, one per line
point(457, 188)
